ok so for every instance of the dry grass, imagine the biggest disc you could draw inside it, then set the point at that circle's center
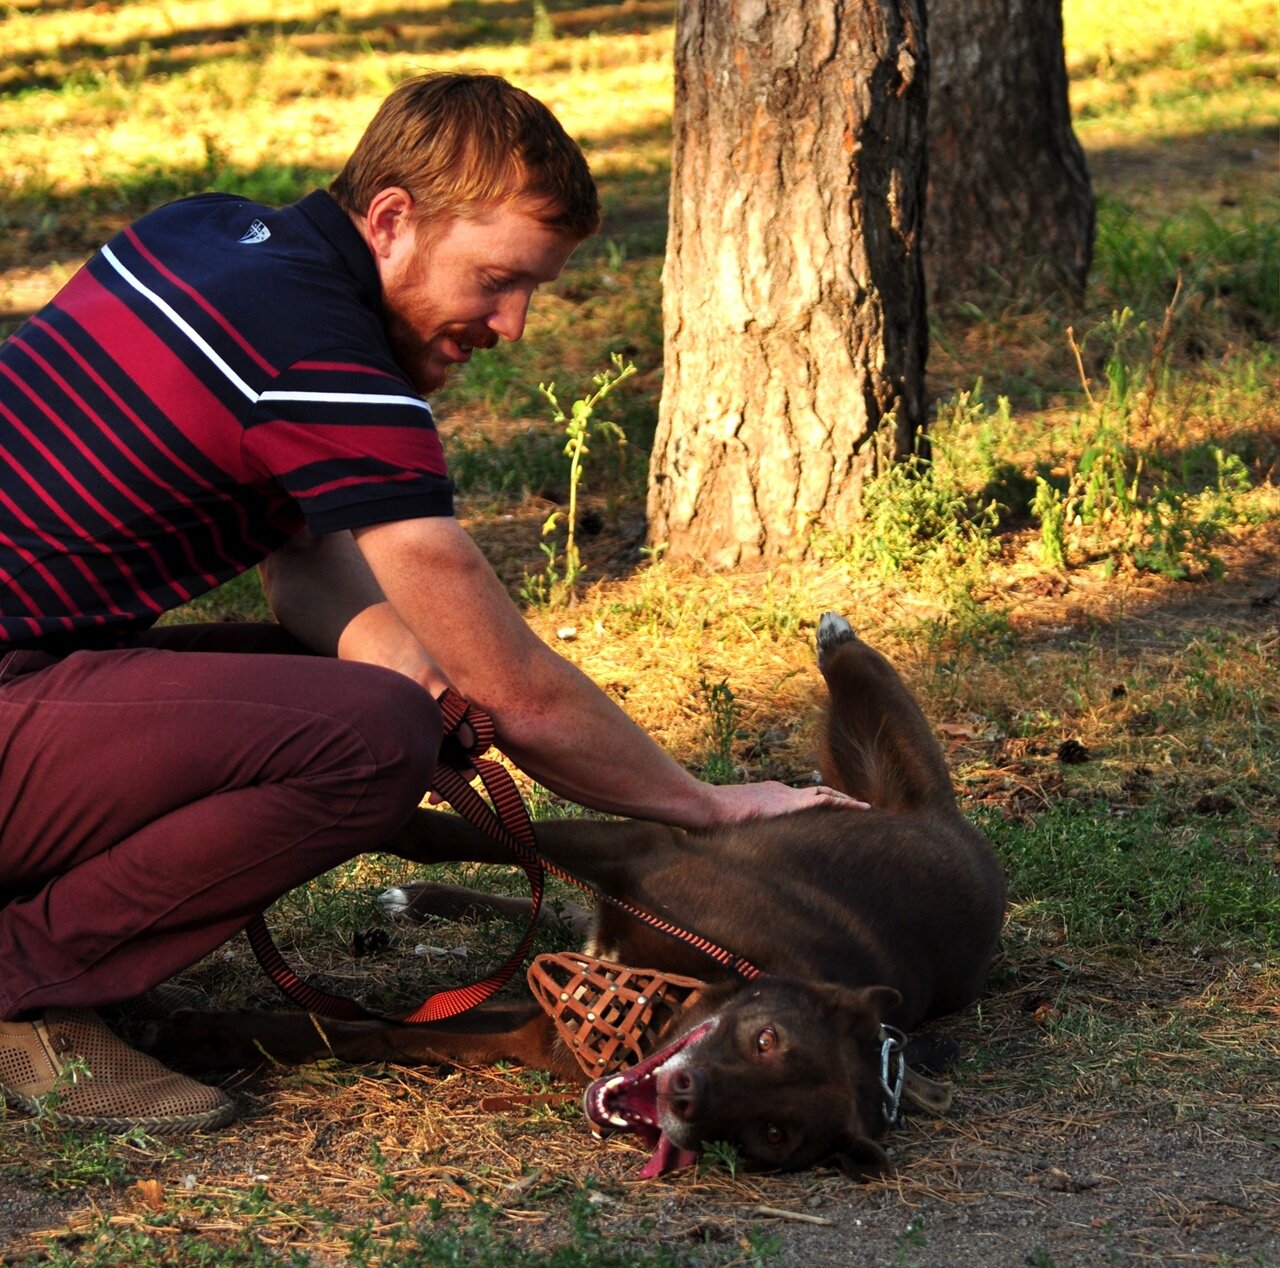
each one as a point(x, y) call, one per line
point(1116, 1094)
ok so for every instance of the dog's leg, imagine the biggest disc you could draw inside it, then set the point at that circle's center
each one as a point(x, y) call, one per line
point(878, 745)
point(421, 901)
point(606, 853)
point(499, 1032)
point(431, 836)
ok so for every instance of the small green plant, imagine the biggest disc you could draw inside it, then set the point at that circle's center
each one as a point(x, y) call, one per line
point(544, 30)
point(910, 1240)
point(1121, 501)
point(74, 1068)
point(922, 523)
point(722, 730)
point(1049, 508)
point(580, 425)
point(723, 1156)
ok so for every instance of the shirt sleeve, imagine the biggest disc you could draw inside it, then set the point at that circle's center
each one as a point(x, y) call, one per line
point(352, 444)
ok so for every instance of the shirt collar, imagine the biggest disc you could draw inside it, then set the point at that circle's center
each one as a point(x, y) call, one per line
point(337, 228)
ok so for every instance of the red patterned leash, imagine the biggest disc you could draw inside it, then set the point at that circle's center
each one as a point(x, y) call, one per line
point(505, 820)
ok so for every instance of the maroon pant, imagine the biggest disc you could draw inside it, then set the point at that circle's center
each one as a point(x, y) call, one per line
point(153, 799)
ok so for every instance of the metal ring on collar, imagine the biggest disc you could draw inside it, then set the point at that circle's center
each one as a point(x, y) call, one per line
point(893, 1071)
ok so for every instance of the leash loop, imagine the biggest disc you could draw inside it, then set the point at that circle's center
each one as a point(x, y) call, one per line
point(505, 819)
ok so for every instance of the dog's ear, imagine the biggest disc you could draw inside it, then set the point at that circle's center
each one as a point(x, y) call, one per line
point(860, 1010)
point(880, 1001)
point(860, 1158)
point(875, 1001)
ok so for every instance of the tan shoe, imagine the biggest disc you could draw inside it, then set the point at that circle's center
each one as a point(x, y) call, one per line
point(109, 1086)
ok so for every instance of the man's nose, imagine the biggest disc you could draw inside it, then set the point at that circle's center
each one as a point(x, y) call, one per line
point(507, 320)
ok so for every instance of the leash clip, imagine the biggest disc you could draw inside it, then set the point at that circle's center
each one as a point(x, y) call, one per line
point(893, 1072)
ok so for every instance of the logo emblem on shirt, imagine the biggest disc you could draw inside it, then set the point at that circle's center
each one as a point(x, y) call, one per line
point(257, 232)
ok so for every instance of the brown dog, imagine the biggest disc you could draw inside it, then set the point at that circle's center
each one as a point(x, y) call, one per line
point(858, 918)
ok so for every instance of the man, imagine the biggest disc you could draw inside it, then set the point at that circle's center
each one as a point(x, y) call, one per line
point(226, 384)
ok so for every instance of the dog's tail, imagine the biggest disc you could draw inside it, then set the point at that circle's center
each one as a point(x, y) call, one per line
point(878, 745)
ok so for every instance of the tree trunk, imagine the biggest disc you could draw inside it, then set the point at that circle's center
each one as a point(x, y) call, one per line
point(1010, 211)
point(793, 300)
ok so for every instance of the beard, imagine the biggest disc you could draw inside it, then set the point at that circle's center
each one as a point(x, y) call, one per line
point(427, 360)
point(426, 372)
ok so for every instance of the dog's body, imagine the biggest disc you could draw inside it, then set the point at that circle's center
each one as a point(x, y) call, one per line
point(857, 917)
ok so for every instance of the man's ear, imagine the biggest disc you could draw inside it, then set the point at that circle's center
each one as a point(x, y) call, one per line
point(389, 216)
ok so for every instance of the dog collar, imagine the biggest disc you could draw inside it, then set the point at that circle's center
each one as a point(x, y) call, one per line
point(603, 1011)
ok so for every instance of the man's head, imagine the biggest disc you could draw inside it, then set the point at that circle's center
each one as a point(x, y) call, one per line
point(470, 195)
point(463, 145)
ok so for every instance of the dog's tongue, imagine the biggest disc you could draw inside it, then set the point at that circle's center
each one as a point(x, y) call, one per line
point(667, 1157)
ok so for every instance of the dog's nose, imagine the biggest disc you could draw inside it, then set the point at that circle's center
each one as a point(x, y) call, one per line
point(686, 1092)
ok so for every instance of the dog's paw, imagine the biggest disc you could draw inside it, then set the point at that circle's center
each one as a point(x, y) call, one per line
point(833, 632)
point(395, 901)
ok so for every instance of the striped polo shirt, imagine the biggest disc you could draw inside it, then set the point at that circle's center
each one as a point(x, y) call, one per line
point(215, 378)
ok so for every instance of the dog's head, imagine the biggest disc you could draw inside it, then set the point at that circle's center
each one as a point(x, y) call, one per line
point(786, 1071)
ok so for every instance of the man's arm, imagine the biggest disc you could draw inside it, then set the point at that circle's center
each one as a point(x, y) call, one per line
point(322, 591)
point(551, 719)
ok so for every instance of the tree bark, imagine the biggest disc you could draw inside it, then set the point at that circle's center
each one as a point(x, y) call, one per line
point(793, 299)
point(1010, 211)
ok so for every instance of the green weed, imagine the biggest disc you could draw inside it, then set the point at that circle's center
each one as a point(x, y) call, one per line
point(423, 1237)
point(720, 1155)
point(718, 766)
point(544, 30)
point(72, 1159)
point(921, 524)
point(1227, 259)
point(579, 425)
point(910, 1241)
point(1120, 500)
point(1153, 1047)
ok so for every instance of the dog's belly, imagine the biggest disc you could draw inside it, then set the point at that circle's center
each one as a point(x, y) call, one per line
point(854, 898)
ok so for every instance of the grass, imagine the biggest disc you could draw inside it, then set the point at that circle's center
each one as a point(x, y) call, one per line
point(1111, 713)
point(1142, 876)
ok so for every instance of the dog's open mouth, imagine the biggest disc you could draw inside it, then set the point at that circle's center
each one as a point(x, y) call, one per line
point(628, 1101)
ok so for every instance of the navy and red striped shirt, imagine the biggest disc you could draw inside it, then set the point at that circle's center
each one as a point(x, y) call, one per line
point(216, 377)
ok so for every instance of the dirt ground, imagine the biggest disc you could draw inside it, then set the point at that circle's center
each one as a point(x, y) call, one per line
point(1057, 1151)
point(1006, 1180)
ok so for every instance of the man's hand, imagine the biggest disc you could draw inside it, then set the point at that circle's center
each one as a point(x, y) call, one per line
point(736, 802)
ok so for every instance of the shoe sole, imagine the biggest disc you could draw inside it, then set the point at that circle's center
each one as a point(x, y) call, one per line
point(178, 1125)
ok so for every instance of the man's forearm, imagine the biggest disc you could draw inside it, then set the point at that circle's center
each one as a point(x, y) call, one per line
point(551, 718)
point(584, 747)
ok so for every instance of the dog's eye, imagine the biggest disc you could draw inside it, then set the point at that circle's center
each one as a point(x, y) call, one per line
point(773, 1135)
point(767, 1040)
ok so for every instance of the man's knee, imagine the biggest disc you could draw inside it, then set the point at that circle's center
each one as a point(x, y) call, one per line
point(403, 727)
